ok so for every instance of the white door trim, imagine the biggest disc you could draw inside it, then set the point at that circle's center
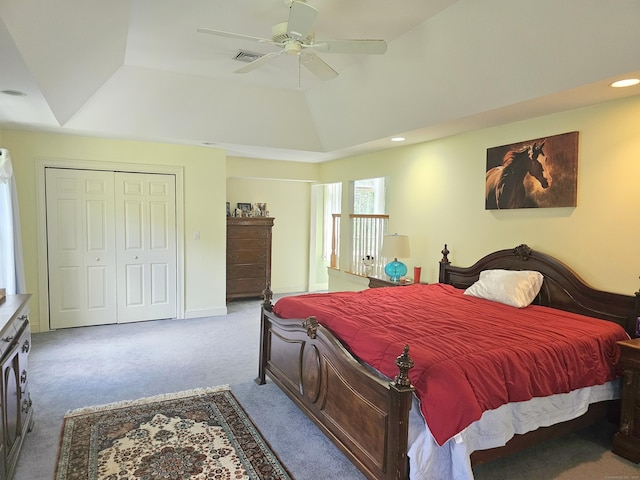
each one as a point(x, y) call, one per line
point(41, 214)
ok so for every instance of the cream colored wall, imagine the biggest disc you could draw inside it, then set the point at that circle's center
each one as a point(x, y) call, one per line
point(286, 189)
point(204, 197)
point(437, 196)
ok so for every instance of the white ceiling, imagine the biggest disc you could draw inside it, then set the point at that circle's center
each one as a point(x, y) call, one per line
point(138, 69)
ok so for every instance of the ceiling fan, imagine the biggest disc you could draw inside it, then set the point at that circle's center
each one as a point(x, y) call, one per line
point(295, 37)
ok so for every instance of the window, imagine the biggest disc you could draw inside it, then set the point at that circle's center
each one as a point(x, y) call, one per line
point(11, 265)
point(369, 224)
point(369, 196)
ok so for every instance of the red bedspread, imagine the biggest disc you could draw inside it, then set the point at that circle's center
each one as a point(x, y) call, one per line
point(470, 354)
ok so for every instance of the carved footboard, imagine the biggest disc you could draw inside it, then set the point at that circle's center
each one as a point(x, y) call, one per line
point(365, 416)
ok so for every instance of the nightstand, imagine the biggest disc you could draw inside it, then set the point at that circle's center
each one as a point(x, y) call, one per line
point(626, 442)
point(377, 282)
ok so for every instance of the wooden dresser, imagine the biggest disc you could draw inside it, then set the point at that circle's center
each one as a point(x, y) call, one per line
point(626, 442)
point(248, 256)
point(16, 409)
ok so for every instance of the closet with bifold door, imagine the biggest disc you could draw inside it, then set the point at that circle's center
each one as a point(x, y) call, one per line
point(111, 246)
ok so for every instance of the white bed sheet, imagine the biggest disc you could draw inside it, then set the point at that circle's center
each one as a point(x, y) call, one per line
point(428, 461)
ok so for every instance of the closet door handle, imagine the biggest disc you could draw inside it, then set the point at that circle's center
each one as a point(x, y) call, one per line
point(97, 259)
point(135, 257)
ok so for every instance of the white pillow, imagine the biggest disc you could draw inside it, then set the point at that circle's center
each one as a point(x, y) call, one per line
point(517, 288)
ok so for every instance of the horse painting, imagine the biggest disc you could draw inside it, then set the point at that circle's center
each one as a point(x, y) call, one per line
point(505, 184)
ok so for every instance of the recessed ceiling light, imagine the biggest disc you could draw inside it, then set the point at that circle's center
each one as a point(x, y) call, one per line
point(627, 82)
point(15, 93)
point(398, 139)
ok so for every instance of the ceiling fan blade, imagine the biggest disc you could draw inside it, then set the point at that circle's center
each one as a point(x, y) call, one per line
point(375, 47)
point(260, 61)
point(301, 19)
point(317, 66)
point(233, 35)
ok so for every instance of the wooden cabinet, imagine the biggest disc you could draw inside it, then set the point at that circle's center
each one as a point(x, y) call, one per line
point(248, 256)
point(626, 442)
point(16, 410)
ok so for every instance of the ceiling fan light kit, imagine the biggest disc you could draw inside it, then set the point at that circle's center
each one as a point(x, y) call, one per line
point(295, 37)
point(292, 48)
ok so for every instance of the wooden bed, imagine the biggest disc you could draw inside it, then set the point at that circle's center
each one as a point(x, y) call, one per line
point(367, 416)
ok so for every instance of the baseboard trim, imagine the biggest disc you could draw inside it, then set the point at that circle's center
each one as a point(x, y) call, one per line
point(212, 312)
point(290, 289)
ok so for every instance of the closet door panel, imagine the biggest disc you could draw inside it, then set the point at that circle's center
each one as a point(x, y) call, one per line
point(147, 246)
point(81, 247)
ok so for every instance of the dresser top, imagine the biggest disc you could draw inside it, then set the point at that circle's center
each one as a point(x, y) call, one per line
point(253, 221)
point(10, 308)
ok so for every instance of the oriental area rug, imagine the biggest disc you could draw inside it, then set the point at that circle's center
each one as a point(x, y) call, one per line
point(201, 434)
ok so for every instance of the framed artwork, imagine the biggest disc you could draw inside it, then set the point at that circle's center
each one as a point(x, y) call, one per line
point(538, 173)
point(245, 208)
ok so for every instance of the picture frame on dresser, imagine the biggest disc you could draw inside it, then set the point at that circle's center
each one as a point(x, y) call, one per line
point(245, 208)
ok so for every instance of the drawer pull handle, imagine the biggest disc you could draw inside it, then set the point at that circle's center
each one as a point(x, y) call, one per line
point(23, 376)
point(26, 346)
point(22, 318)
point(9, 339)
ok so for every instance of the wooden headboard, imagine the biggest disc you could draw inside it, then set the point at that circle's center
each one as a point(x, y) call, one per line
point(562, 287)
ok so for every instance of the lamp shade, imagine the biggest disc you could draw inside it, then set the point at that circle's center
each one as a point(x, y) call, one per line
point(395, 246)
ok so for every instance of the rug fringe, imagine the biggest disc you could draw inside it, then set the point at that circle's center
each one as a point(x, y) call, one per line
point(142, 401)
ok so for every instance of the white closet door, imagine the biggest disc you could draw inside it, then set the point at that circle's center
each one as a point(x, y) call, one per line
point(146, 246)
point(81, 247)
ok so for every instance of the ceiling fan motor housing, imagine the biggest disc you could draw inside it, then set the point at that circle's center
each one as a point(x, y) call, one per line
point(292, 46)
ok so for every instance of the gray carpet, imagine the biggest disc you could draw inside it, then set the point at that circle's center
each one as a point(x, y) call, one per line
point(79, 367)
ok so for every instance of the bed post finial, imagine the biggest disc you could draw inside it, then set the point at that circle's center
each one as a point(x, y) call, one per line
point(523, 252)
point(404, 363)
point(267, 294)
point(445, 255)
point(311, 324)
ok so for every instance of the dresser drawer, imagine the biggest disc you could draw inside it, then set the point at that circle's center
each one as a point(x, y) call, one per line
point(244, 270)
point(8, 338)
point(241, 244)
point(247, 256)
point(253, 286)
point(247, 232)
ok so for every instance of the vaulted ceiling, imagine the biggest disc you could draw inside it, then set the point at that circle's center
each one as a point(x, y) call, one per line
point(138, 69)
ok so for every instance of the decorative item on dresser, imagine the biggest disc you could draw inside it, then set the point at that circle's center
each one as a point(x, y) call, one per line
point(626, 442)
point(248, 256)
point(16, 407)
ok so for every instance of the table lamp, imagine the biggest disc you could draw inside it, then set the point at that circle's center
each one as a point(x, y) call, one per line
point(395, 246)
